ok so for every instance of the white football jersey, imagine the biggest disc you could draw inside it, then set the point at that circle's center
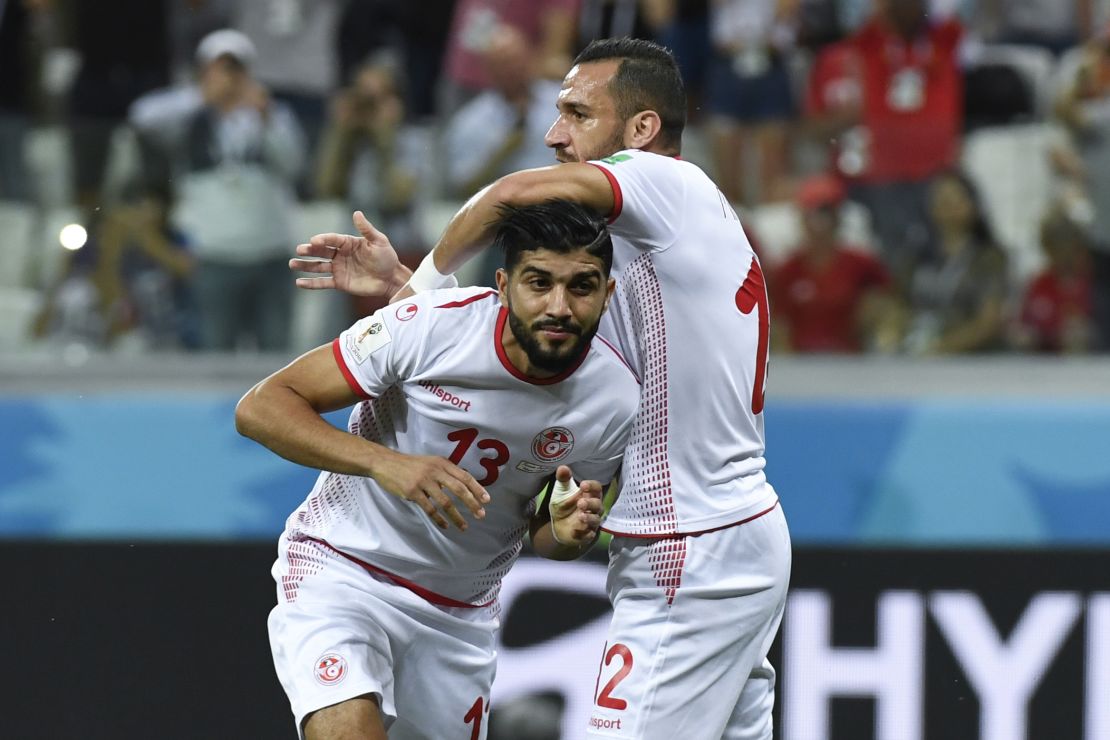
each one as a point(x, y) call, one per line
point(690, 316)
point(437, 382)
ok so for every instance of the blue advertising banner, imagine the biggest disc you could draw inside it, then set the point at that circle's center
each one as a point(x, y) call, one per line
point(920, 472)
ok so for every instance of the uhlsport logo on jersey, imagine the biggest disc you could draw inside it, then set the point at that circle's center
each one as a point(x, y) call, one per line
point(330, 669)
point(406, 311)
point(552, 444)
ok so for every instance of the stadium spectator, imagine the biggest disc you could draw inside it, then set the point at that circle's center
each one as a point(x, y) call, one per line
point(683, 27)
point(549, 25)
point(418, 31)
point(393, 625)
point(368, 155)
point(1056, 309)
point(130, 281)
point(892, 95)
point(959, 297)
point(749, 95)
point(637, 19)
point(1084, 107)
point(828, 296)
point(233, 155)
point(501, 129)
point(125, 52)
point(20, 53)
point(296, 56)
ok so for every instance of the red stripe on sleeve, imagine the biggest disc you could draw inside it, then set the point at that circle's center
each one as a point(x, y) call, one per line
point(467, 301)
point(347, 374)
point(618, 199)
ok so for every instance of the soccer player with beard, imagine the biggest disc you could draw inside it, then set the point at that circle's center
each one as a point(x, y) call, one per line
point(468, 401)
point(700, 557)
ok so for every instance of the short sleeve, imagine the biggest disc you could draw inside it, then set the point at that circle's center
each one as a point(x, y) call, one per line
point(649, 192)
point(382, 348)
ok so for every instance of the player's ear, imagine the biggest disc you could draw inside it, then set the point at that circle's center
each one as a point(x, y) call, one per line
point(609, 287)
point(502, 279)
point(642, 129)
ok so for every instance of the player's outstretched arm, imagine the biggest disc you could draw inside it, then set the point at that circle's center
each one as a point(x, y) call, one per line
point(472, 228)
point(569, 525)
point(283, 413)
point(362, 265)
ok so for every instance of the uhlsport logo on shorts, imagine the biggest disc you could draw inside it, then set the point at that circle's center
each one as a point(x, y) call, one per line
point(406, 311)
point(330, 669)
point(552, 444)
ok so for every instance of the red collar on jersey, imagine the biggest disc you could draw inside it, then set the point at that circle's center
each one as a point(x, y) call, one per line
point(499, 329)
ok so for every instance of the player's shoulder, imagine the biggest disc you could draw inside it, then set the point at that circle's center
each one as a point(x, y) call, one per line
point(638, 159)
point(670, 177)
point(446, 304)
point(428, 313)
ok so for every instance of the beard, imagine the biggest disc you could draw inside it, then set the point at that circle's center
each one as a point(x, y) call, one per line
point(609, 147)
point(551, 359)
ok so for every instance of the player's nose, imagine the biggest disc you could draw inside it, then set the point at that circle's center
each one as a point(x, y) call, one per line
point(556, 136)
point(558, 302)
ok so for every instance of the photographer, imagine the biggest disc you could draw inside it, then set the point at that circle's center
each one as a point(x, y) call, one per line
point(367, 156)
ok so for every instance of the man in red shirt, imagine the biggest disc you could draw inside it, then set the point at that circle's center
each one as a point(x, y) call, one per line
point(827, 296)
point(891, 97)
point(1056, 311)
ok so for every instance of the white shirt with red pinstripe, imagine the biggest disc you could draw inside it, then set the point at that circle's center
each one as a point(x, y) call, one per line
point(437, 382)
point(690, 315)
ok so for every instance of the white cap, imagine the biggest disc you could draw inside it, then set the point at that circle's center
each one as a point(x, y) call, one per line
point(226, 41)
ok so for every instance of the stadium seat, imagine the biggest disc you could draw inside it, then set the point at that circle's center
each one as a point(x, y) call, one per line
point(50, 164)
point(17, 225)
point(18, 307)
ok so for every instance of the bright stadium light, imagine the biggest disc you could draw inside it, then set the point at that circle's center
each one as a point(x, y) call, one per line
point(73, 236)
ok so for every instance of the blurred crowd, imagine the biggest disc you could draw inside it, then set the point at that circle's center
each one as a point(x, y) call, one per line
point(188, 138)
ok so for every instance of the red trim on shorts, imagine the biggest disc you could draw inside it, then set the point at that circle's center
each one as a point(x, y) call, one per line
point(468, 301)
point(674, 535)
point(430, 596)
point(347, 374)
point(499, 347)
point(618, 197)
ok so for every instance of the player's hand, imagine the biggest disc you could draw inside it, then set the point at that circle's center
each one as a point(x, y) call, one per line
point(577, 520)
point(433, 484)
point(365, 265)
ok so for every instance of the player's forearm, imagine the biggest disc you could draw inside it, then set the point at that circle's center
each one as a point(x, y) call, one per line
point(472, 228)
point(278, 418)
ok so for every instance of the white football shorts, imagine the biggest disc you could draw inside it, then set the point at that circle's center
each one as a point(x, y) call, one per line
point(339, 631)
point(693, 619)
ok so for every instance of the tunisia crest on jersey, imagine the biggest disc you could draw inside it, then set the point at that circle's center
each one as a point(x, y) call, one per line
point(330, 668)
point(552, 444)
